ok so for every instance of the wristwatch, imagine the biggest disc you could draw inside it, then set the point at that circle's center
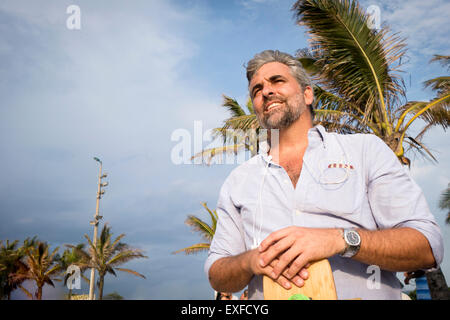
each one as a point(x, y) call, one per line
point(352, 243)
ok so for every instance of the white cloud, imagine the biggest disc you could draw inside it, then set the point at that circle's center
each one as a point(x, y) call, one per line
point(121, 75)
point(423, 23)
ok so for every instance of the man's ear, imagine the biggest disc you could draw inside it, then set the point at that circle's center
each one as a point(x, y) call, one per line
point(308, 95)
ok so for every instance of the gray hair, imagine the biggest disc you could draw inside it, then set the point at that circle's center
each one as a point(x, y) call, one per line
point(294, 65)
point(267, 56)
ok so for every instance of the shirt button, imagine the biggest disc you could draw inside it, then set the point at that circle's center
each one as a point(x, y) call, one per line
point(286, 181)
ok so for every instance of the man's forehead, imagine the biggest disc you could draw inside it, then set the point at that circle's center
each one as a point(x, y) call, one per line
point(271, 69)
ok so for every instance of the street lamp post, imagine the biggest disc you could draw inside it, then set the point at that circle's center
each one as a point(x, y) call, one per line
point(95, 222)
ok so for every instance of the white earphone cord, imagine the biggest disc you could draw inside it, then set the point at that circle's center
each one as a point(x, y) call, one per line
point(257, 239)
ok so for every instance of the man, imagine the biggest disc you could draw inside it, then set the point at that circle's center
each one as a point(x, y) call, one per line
point(224, 296)
point(317, 195)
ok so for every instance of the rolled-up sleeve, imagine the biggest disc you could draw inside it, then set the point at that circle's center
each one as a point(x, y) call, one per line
point(395, 199)
point(228, 239)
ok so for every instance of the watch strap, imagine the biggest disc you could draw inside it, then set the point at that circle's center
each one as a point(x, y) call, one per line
point(350, 250)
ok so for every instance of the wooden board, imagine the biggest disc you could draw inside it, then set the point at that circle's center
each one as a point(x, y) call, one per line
point(319, 285)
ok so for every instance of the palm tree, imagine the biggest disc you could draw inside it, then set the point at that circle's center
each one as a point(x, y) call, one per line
point(68, 258)
point(113, 296)
point(357, 70)
point(206, 231)
point(42, 267)
point(8, 263)
point(240, 132)
point(106, 256)
point(444, 202)
point(11, 263)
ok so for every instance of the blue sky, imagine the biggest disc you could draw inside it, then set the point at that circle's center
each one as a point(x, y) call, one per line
point(120, 86)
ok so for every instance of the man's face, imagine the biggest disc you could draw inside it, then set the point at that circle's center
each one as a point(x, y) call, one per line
point(226, 296)
point(278, 99)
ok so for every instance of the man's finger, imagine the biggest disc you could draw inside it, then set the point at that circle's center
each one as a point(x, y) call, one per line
point(302, 275)
point(272, 238)
point(299, 281)
point(285, 283)
point(296, 266)
point(275, 251)
point(284, 260)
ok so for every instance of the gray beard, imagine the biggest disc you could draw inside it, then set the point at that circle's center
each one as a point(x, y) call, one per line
point(292, 111)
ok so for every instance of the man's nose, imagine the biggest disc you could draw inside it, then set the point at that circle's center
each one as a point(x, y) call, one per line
point(268, 90)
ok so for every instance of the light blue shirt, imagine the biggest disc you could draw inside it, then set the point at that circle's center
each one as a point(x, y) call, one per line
point(347, 181)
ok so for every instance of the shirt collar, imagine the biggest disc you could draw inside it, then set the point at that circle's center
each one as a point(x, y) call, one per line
point(316, 137)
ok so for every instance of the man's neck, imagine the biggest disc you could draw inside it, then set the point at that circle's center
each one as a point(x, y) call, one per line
point(292, 140)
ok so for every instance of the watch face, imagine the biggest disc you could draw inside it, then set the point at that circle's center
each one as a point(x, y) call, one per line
point(353, 238)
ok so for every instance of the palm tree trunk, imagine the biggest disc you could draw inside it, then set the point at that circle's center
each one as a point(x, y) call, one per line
point(70, 294)
point(39, 293)
point(438, 285)
point(100, 287)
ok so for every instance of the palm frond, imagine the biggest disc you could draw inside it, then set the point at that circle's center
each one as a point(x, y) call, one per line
point(444, 202)
point(117, 245)
point(125, 256)
point(341, 128)
point(206, 231)
point(435, 111)
point(213, 215)
point(110, 269)
point(49, 282)
point(131, 272)
point(309, 63)
point(420, 146)
point(84, 256)
point(54, 270)
point(196, 248)
point(233, 106)
point(443, 60)
point(27, 293)
point(235, 135)
point(327, 100)
point(403, 111)
point(209, 154)
point(423, 131)
point(200, 226)
point(249, 106)
point(91, 244)
point(356, 60)
point(439, 84)
point(243, 122)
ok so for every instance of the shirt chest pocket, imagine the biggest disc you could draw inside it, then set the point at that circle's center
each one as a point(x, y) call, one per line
point(339, 192)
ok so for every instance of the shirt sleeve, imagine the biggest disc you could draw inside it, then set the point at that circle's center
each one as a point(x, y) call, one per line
point(395, 199)
point(228, 238)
